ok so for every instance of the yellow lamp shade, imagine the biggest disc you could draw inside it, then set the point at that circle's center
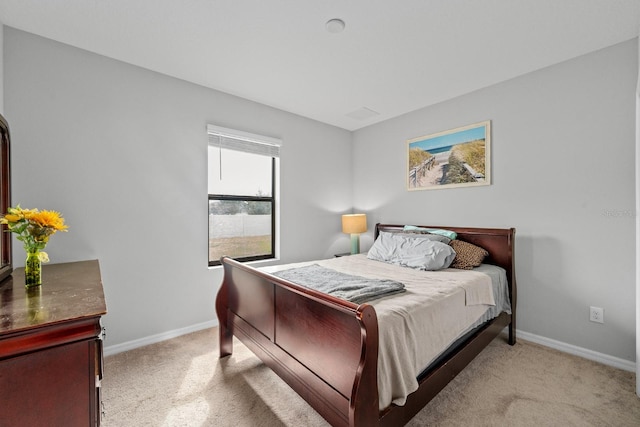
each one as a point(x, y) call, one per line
point(354, 223)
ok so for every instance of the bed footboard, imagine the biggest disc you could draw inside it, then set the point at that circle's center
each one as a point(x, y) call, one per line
point(325, 348)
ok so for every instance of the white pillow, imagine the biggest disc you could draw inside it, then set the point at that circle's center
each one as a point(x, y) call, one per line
point(412, 251)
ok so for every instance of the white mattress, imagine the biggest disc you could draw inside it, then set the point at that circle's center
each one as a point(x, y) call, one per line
point(416, 326)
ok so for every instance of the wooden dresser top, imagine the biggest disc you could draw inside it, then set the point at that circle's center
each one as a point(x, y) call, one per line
point(69, 291)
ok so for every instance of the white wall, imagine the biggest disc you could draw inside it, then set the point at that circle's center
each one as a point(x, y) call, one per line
point(563, 175)
point(1, 68)
point(122, 153)
point(637, 182)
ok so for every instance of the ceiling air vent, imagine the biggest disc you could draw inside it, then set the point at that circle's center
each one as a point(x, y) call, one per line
point(362, 113)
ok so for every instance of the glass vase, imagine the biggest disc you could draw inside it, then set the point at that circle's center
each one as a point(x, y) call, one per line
point(33, 270)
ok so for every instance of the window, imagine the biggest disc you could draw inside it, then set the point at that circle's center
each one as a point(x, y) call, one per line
point(242, 195)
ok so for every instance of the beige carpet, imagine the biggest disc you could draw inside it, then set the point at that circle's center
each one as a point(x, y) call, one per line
point(181, 382)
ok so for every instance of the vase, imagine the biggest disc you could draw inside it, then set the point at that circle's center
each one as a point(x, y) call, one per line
point(33, 270)
point(36, 311)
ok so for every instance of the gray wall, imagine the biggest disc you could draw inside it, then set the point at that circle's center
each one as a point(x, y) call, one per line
point(122, 153)
point(1, 68)
point(563, 175)
point(637, 183)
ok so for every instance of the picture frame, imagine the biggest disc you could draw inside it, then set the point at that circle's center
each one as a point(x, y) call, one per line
point(459, 157)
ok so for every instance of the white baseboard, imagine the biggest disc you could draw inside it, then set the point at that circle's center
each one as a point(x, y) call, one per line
point(547, 342)
point(130, 345)
point(605, 359)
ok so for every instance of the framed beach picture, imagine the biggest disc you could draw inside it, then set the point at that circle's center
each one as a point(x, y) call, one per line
point(454, 158)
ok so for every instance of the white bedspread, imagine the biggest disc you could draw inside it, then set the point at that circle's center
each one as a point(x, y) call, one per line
point(417, 325)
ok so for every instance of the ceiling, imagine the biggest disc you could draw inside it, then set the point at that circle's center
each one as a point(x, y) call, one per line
point(393, 57)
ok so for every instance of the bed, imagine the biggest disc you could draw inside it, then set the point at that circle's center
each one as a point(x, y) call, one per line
point(326, 348)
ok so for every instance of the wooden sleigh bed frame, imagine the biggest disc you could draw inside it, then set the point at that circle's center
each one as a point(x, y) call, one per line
point(326, 348)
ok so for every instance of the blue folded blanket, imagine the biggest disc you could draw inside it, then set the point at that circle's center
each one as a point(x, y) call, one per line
point(345, 286)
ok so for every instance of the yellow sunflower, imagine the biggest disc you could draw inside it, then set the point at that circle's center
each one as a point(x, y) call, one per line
point(48, 219)
point(33, 227)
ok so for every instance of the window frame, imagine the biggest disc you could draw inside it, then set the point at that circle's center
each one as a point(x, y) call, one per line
point(273, 199)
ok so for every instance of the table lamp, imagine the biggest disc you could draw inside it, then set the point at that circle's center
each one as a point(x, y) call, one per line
point(354, 224)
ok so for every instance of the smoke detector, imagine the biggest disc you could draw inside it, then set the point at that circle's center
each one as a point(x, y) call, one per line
point(335, 25)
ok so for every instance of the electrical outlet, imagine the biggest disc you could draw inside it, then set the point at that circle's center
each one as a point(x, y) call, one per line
point(596, 314)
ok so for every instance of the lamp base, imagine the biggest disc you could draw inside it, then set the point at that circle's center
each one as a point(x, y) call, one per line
point(355, 244)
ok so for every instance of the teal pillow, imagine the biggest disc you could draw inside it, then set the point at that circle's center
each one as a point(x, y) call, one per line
point(447, 233)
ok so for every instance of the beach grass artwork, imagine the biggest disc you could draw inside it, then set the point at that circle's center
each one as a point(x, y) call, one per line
point(454, 158)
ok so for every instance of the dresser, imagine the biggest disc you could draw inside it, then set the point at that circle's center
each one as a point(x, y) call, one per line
point(51, 347)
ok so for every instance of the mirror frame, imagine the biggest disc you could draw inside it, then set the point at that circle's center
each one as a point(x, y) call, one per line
point(6, 264)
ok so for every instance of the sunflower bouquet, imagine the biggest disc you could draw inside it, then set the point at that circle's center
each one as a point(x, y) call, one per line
point(33, 228)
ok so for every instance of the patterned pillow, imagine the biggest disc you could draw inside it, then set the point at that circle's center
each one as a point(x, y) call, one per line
point(468, 255)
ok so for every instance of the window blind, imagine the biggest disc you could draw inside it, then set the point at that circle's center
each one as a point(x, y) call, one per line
point(243, 141)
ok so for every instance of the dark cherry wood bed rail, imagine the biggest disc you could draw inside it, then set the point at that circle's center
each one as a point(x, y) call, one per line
point(326, 348)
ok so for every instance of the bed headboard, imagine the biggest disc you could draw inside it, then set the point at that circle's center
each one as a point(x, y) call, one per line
point(499, 242)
